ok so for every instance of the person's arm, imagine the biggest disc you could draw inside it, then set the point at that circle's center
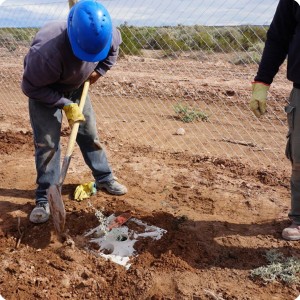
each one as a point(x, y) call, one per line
point(105, 65)
point(38, 75)
point(279, 37)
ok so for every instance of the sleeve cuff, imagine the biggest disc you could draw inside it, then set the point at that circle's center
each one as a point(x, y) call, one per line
point(266, 84)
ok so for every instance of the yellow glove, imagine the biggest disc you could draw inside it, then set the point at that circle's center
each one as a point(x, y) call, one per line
point(73, 113)
point(258, 102)
point(84, 191)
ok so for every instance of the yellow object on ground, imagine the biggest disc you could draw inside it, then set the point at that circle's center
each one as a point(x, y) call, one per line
point(85, 191)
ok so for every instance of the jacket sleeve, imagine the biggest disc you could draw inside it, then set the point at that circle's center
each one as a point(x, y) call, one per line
point(111, 59)
point(279, 37)
point(38, 75)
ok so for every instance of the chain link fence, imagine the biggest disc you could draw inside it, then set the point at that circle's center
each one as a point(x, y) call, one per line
point(184, 67)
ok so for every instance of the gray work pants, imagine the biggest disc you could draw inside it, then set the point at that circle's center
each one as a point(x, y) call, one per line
point(293, 151)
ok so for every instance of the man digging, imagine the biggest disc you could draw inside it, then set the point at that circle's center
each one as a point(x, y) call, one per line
point(62, 56)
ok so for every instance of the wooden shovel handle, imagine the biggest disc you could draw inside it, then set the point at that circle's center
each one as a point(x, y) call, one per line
point(75, 127)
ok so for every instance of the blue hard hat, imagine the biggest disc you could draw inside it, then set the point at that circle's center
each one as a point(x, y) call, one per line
point(89, 30)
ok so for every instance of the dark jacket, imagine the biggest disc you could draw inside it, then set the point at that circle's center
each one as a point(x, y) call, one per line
point(52, 70)
point(283, 40)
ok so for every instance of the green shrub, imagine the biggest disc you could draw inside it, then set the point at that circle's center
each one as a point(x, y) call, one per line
point(203, 40)
point(18, 34)
point(172, 39)
point(278, 268)
point(252, 56)
point(187, 114)
point(131, 44)
point(245, 58)
point(252, 35)
point(226, 39)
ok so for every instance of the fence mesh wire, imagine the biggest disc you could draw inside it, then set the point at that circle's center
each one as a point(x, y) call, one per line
point(183, 64)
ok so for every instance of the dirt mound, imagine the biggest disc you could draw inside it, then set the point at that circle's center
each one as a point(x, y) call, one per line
point(217, 214)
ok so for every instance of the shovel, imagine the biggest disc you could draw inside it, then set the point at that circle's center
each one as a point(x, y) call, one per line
point(55, 200)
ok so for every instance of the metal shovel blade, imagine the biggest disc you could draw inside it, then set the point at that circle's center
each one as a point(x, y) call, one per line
point(57, 208)
point(55, 200)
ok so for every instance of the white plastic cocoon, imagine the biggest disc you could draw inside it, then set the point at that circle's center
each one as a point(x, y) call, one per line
point(118, 244)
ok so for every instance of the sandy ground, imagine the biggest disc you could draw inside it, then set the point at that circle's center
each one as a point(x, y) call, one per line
point(220, 208)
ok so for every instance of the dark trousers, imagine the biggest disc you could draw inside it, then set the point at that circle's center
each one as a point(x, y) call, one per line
point(293, 151)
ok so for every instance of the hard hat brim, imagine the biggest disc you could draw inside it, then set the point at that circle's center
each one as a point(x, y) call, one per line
point(90, 57)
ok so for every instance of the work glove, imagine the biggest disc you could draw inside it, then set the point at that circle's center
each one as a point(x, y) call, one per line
point(73, 113)
point(85, 191)
point(258, 102)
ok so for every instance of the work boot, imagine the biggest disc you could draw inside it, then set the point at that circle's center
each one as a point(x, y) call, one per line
point(292, 233)
point(40, 213)
point(113, 187)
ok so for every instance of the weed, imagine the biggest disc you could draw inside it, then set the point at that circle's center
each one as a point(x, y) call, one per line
point(187, 114)
point(278, 268)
